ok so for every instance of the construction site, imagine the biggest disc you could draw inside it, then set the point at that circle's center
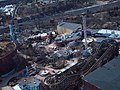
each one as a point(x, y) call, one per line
point(59, 44)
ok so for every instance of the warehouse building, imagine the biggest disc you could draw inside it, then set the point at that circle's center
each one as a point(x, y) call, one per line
point(106, 77)
point(67, 28)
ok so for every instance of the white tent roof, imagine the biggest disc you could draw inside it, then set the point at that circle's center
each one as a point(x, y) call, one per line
point(107, 31)
point(113, 33)
point(16, 87)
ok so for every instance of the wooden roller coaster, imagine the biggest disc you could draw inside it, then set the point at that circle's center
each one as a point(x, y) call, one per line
point(70, 79)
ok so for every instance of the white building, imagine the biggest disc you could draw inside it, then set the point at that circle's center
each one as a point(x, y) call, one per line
point(110, 33)
point(67, 28)
point(29, 83)
point(7, 88)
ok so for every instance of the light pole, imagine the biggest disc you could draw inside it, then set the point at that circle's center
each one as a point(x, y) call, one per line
point(84, 29)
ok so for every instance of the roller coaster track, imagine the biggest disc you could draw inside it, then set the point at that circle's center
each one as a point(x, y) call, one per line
point(95, 8)
point(87, 68)
point(99, 61)
point(63, 82)
point(88, 10)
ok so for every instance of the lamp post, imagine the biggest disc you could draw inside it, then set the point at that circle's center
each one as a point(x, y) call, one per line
point(84, 29)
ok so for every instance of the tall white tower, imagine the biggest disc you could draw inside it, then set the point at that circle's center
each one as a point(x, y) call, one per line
point(84, 29)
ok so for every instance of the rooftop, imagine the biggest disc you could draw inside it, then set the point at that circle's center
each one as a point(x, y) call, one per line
point(16, 87)
point(30, 81)
point(2, 0)
point(72, 26)
point(106, 77)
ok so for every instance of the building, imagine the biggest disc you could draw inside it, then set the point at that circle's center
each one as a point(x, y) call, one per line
point(8, 2)
point(106, 77)
point(28, 83)
point(109, 33)
point(67, 28)
point(7, 88)
point(16, 87)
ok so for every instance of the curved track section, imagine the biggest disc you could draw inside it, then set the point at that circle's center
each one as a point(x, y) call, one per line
point(73, 76)
point(8, 51)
